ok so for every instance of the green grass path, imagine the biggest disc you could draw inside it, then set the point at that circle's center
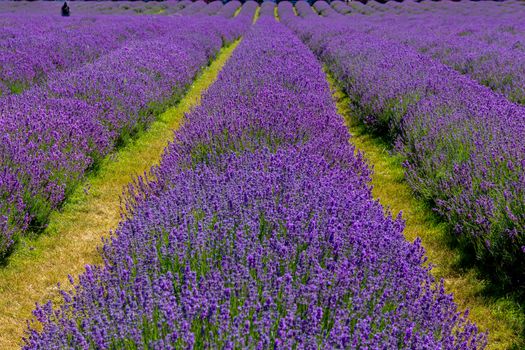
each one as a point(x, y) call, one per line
point(501, 317)
point(74, 233)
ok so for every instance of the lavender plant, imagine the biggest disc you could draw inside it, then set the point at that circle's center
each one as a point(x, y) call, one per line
point(229, 9)
point(193, 8)
point(462, 142)
point(53, 134)
point(341, 7)
point(270, 239)
point(488, 46)
point(89, 8)
point(248, 10)
point(305, 10)
point(267, 9)
point(212, 8)
point(324, 9)
point(29, 57)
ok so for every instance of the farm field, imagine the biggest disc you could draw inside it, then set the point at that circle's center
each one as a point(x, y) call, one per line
point(181, 174)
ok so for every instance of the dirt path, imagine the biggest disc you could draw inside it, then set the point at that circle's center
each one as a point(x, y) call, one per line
point(71, 240)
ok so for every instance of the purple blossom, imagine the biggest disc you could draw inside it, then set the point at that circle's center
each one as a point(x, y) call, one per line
point(260, 231)
point(462, 142)
point(53, 133)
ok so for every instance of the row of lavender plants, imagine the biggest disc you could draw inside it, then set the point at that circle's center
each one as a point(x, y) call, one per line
point(260, 231)
point(249, 10)
point(29, 56)
point(304, 10)
point(342, 7)
point(51, 134)
point(38, 8)
point(324, 9)
point(212, 8)
point(488, 47)
point(192, 8)
point(102, 8)
point(379, 8)
point(462, 142)
point(229, 9)
point(267, 9)
point(356, 8)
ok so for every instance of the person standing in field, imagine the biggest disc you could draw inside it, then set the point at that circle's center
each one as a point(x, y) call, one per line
point(65, 10)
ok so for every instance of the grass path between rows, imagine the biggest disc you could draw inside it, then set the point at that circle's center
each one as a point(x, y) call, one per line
point(501, 317)
point(74, 234)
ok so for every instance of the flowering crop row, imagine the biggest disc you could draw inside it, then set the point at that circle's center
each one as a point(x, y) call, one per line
point(341, 7)
point(51, 44)
point(488, 47)
point(90, 8)
point(162, 8)
point(193, 8)
point(304, 10)
point(376, 10)
point(462, 142)
point(212, 8)
point(248, 11)
point(325, 10)
point(267, 9)
point(50, 135)
point(229, 9)
point(260, 231)
point(358, 7)
point(464, 8)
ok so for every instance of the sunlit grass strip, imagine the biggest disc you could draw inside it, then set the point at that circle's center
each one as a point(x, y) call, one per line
point(237, 11)
point(70, 242)
point(501, 317)
point(256, 15)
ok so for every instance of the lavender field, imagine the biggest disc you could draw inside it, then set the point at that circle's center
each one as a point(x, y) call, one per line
point(179, 175)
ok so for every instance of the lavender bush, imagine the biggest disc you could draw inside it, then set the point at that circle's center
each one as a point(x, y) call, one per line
point(341, 7)
point(462, 142)
point(323, 9)
point(358, 7)
point(79, 116)
point(267, 9)
point(229, 9)
point(488, 46)
point(82, 8)
point(54, 44)
point(285, 11)
point(248, 11)
point(269, 239)
point(212, 8)
point(304, 10)
point(193, 8)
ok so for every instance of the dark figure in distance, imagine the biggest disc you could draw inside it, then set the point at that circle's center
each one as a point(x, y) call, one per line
point(65, 10)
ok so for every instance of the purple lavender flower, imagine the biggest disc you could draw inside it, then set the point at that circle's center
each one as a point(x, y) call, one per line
point(260, 231)
point(462, 142)
point(52, 134)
